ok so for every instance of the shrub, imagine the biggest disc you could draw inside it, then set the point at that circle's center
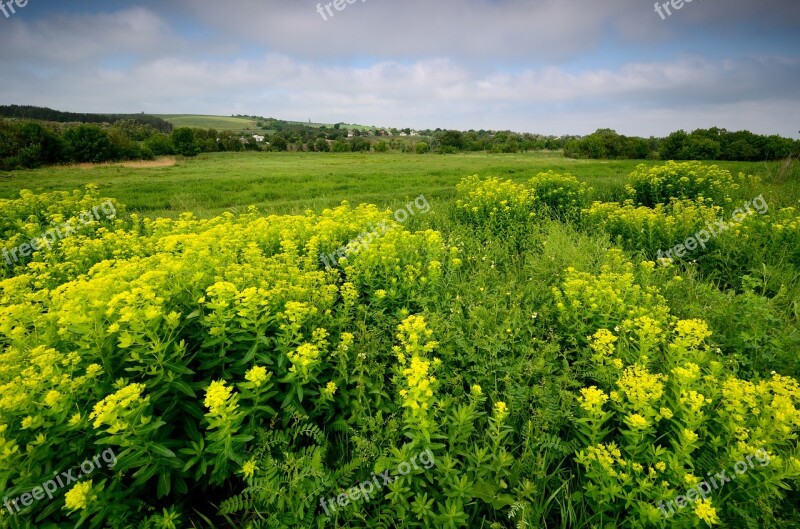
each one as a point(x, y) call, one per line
point(321, 145)
point(650, 229)
point(184, 142)
point(187, 348)
point(341, 145)
point(88, 143)
point(421, 147)
point(660, 413)
point(662, 184)
point(493, 202)
point(561, 194)
point(664, 430)
point(159, 145)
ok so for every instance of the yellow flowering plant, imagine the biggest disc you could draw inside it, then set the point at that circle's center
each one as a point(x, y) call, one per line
point(499, 204)
point(562, 196)
point(671, 181)
point(673, 414)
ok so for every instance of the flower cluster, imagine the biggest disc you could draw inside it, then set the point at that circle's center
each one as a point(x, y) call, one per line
point(562, 194)
point(493, 201)
point(419, 384)
point(116, 410)
point(662, 184)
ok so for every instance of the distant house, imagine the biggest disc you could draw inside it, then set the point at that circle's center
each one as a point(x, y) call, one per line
point(258, 138)
point(403, 134)
point(350, 134)
point(414, 133)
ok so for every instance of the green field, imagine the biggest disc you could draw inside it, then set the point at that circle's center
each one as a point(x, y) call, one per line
point(293, 182)
point(235, 124)
point(210, 122)
point(524, 345)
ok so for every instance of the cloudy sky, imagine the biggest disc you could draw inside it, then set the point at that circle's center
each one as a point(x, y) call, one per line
point(548, 66)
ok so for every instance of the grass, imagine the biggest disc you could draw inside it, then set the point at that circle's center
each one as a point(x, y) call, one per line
point(495, 317)
point(237, 124)
point(210, 122)
point(293, 182)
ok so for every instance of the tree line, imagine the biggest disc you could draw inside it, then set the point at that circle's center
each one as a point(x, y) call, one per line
point(48, 114)
point(28, 143)
point(31, 144)
point(701, 144)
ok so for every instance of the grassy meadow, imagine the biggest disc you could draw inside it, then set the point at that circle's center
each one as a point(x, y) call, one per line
point(210, 122)
point(293, 182)
point(507, 350)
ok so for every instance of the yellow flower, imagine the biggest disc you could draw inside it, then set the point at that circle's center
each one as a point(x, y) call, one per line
point(257, 375)
point(637, 422)
point(109, 410)
point(661, 466)
point(249, 468)
point(593, 400)
point(706, 512)
point(689, 435)
point(476, 390)
point(93, 370)
point(500, 410)
point(641, 387)
point(78, 497)
point(329, 390)
point(217, 396)
point(52, 398)
point(304, 358)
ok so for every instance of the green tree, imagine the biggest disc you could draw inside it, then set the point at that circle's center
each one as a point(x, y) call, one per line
point(159, 145)
point(360, 145)
point(88, 144)
point(278, 143)
point(46, 146)
point(321, 145)
point(342, 146)
point(183, 141)
point(672, 147)
point(421, 147)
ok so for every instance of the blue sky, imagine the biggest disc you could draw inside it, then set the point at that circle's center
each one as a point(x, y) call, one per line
point(547, 66)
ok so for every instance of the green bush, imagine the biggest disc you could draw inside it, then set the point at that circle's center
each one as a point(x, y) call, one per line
point(159, 145)
point(662, 184)
point(88, 143)
point(184, 142)
point(561, 194)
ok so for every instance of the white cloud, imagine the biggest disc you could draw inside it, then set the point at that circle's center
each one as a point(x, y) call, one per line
point(466, 64)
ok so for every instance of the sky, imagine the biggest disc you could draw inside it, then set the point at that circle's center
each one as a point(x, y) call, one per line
point(552, 67)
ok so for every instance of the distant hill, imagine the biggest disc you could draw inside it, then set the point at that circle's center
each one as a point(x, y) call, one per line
point(246, 123)
point(210, 122)
point(48, 114)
